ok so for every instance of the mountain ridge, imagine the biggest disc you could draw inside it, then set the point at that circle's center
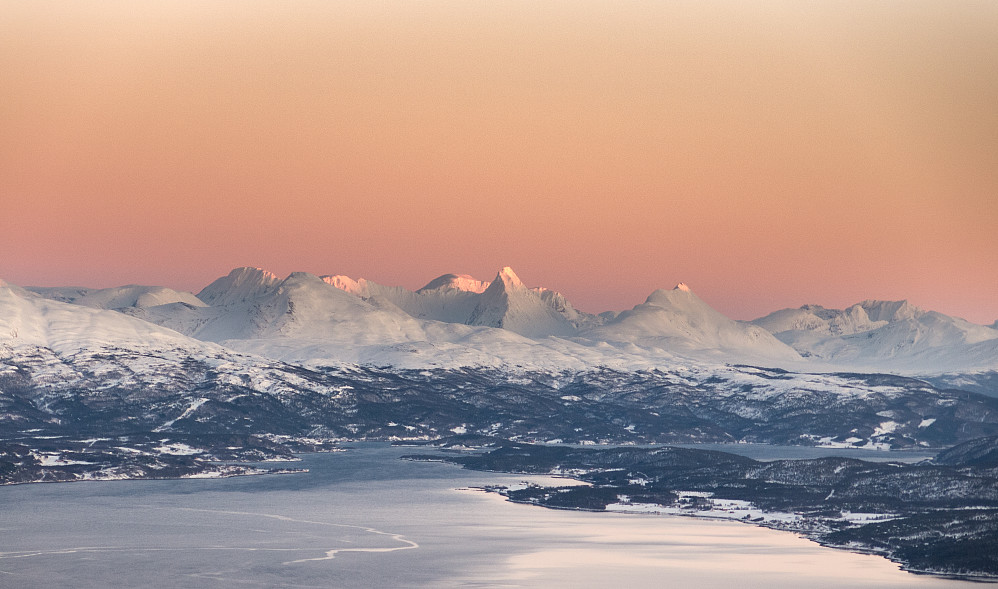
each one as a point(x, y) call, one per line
point(452, 321)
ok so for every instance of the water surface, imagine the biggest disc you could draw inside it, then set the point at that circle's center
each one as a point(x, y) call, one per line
point(363, 518)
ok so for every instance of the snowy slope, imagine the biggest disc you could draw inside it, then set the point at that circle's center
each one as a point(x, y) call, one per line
point(888, 335)
point(28, 319)
point(679, 320)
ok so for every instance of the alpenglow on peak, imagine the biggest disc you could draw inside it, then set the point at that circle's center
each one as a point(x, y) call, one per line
point(508, 277)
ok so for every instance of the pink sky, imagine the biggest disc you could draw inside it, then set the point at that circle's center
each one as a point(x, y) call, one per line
point(767, 154)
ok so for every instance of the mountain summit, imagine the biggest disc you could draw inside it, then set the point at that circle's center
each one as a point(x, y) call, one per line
point(241, 284)
point(461, 282)
point(508, 304)
point(678, 319)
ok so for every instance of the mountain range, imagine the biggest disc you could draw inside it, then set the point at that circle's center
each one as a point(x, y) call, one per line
point(457, 320)
point(150, 382)
point(296, 362)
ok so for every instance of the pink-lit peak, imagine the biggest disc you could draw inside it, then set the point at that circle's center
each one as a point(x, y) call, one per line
point(458, 282)
point(508, 277)
point(347, 284)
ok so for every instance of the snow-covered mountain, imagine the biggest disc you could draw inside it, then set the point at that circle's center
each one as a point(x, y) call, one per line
point(678, 319)
point(72, 369)
point(298, 355)
point(457, 320)
point(885, 335)
point(669, 324)
point(509, 304)
point(335, 320)
point(74, 373)
point(254, 304)
point(505, 303)
point(89, 393)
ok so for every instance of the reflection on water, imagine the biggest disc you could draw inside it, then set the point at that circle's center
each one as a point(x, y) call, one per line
point(363, 518)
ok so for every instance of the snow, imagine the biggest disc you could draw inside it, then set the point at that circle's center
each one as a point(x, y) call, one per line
point(678, 319)
point(122, 297)
point(886, 427)
point(27, 319)
point(458, 321)
point(190, 409)
point(211, 474)
point(852, 442)
point(444, 299)
point(885, 336)
point(508, 304)
point(178, 449)
point(705, 506)
point(346, 284)
point(55, 459)
point(865, 518)
point(462, 282)
point(241, 284)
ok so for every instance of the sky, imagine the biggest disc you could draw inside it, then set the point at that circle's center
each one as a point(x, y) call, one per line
point(769, 154)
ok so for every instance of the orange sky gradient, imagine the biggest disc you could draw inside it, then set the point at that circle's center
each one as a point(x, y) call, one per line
point(769, 154)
